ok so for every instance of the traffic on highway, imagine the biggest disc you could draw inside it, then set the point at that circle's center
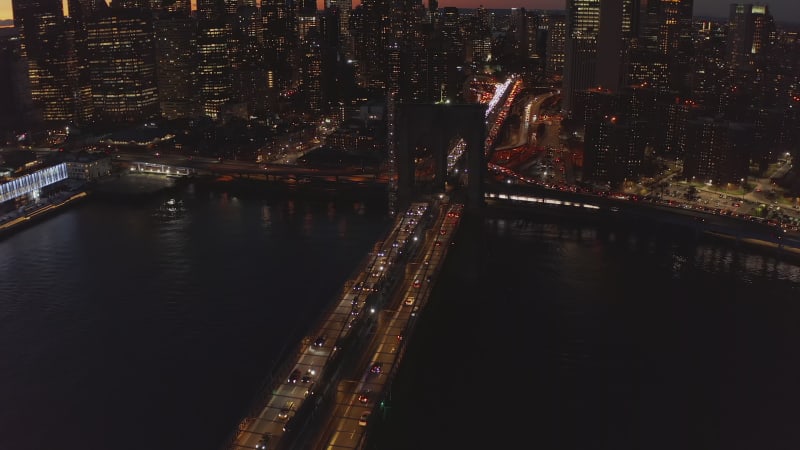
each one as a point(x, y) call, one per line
point(356, 312)
point(359, 399)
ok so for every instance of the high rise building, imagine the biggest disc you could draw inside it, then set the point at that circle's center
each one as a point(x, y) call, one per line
point(666, 40)
point(79, 76)
point(26, 11)
point(16, 109)
point(595, 102)
point(749, 30)
point(80, 13)
point(518, 31)
point(372, 34)
point(182, 6)
point(556, 38)
point(132, 4)
point(582, 28)
point(230, 6)
point(248, 61)
point(345, 7)
point(278, 29)
point(121, 53)
point(336, 81)
point(311, 71)
point(83, 10)
point(709, 74)
point(211, 9)
point(305, 22)
point(674, 26)
point(445, 53)
point(214, 82)
point(618, 22)
point(614, 150)
point(679, 113)
point(532, 19)
point(176, 50)
point(597, 30)
point(48, 47)
point(717, 151)
point(53, 68)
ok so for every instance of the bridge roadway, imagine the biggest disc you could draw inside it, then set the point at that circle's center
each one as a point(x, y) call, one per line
point(527, 197)
point(309, 377)
point(357, 399)
point(182, 165)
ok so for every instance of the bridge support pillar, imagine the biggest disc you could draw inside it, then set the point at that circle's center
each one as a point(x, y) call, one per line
point(432, 127)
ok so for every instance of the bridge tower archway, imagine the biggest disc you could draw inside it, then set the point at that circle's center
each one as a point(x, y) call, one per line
point(433, 127)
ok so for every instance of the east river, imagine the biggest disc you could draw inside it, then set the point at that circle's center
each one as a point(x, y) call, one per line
point(150, 325)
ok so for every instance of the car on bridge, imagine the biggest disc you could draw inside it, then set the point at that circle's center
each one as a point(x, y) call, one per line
point(376, 367)
point(363, 397)
point(320, 341)
point(294, 376)
point(264, 442)
point(283, 414)
point(362, 421)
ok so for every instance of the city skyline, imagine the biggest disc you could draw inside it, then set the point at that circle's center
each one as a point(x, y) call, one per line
point(783, 10)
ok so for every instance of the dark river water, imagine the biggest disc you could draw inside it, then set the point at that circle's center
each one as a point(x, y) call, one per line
point(552, 335)
point(151, 326)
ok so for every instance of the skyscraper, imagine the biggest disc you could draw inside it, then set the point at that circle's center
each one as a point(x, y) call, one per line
point(597, 30)
point(618, 22)
point(122, 66)
point(666, 40)
point(371, 26)
point(176, 47)
point(311, 71)
point(554, 53)
point(278, 40)
point(249, 70)
point(717, 150)
point(26, 11)
point(16, 106)
point(614, 149)
point(582, 27)
point(80, 13)
point(749, 30)
point(213, 70)
point(210, 9)
point(345, 7)
point(50, 55)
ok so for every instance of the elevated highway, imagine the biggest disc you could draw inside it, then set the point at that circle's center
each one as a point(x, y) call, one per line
point(630, 209)
point(308, 400)
point(272, 172)
point(360, 397)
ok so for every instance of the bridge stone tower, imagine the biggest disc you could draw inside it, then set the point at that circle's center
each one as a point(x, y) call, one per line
point(434, 126)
